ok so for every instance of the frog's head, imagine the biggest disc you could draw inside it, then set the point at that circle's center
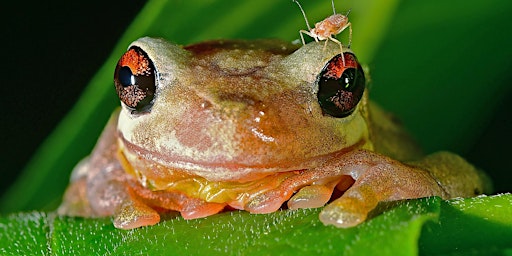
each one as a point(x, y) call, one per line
point(229, 110)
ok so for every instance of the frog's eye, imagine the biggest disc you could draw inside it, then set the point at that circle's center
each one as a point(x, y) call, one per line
point(134, 79)
point(340, 85)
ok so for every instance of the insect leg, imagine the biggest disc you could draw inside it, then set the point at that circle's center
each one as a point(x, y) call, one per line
point(309, 34)
point(349, 34)
point(339, 43)
point(301, 32)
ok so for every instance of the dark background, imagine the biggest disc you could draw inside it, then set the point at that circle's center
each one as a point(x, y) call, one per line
point(49, 51)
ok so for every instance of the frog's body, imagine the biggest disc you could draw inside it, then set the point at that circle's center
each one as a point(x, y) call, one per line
point(238, 125)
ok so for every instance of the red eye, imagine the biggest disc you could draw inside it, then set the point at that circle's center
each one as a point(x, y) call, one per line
point(340, 85)
point(134, 79)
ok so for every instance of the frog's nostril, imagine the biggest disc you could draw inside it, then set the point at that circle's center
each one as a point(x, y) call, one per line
point(238, 98)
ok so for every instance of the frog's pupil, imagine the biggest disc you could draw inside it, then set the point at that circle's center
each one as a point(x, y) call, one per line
point(126, 77)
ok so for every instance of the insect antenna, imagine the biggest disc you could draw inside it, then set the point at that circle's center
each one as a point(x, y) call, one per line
point(333, 9)
point(304, 14)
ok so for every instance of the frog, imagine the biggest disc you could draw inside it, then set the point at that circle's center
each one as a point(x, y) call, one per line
point(257, 126)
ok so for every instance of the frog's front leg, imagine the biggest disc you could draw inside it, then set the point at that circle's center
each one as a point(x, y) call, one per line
point(100, 187)
point(110, 194)
point(379, 178)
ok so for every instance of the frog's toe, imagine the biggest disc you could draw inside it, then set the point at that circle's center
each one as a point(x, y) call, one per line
point(352, 207)
point(267, 202)
point(195, 208)
point(134, 214)
point(313, 196)
point(344, 213)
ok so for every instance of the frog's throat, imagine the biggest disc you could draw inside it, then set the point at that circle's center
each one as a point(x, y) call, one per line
point(237, 184)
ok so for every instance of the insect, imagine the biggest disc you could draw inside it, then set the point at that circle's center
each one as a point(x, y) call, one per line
point(327, 28)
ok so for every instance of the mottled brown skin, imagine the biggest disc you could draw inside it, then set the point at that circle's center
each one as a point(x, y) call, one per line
point(236, 125)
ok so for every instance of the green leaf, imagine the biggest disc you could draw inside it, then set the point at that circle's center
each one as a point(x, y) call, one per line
point(24, 234)
point(474, 226)
point(283, 232)
point(446, 228)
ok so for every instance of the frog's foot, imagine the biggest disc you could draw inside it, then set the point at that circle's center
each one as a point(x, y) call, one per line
point(365, 179)
point(142, 207)
point(134, 213)
point(307, 189)
point(379, 179)
point(349, 210)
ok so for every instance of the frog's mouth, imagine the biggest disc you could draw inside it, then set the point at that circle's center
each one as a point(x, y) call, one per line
point(162, 167)
point(257, 189)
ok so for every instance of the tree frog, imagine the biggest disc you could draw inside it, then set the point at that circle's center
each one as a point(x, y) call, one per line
point(255, 125)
